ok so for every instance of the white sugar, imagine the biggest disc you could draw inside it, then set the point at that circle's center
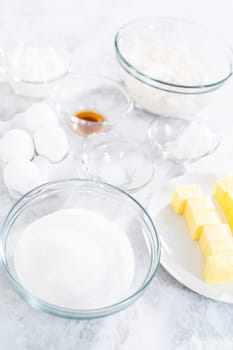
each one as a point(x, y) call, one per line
point(75, 259)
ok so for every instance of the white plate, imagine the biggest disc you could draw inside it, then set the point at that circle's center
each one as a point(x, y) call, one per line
point(181, 256)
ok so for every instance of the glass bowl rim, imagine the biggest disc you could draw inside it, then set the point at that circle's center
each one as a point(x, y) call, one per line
point(142, 75)
point(113, 82)
point(79, 121)
point(42, 82)
point(217, 137)
point(77, 313)
point(117, 138)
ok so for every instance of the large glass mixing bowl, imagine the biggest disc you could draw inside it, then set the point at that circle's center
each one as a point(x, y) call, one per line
point(153, 39)
point(171, 68)
point(104, 199)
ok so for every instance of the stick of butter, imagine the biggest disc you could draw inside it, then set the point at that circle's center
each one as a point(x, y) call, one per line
point(198, 218)
point(222, 187)
point(227, 205)
point(196, 204)
point(180, 196)
point(219, 247)
point(224, 195)
point(219, 269)
point(213, 233)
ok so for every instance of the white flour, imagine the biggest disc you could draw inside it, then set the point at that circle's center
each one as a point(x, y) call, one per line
point(75, 259)
point(170, 64)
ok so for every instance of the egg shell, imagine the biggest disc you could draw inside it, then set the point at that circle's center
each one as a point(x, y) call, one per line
point(16, 144)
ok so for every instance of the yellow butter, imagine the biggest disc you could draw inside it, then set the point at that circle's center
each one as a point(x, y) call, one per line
point(197, 204)
point(199, 218)
point(222, 187)
point(219, 269)
point(227, 202)
point(180, 196)
point(216, 232)
point(219, 247)
point(227, 206)
point(219, 193)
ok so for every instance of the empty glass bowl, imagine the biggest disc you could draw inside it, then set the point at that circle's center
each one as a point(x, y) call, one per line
point(199, 64)
point(113, 159)
point(101, 198)
point(183, 141)
point(91, 103)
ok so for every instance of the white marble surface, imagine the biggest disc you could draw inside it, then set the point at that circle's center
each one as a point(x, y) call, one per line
point(168, 316)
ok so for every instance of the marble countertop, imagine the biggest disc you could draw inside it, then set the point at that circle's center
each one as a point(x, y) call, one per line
point(168, 316)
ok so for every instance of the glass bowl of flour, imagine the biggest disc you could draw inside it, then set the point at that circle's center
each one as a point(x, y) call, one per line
point(79, 249)
point(171, 66)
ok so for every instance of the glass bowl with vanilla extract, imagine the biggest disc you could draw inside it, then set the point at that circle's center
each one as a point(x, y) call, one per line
point(90, 103)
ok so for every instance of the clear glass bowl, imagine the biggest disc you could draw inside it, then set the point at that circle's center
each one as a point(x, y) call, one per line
point(89, 92)
point(182, 141)
point(113, 159)
point(42, 87)
point(162, 97)
point(18, 64)
point(34, 89)
point(105, 199)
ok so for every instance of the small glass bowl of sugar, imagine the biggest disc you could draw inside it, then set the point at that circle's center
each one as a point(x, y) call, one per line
point(34, 60)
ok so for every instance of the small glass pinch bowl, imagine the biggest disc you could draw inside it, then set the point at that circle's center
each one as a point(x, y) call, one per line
point(112, 159)
point(101, 198)
point(177, 95)
point(183, 141)
point(100, 102)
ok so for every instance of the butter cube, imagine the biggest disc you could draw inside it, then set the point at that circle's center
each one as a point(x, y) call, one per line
point(222, 187)
point(219, 192)
point(181, 194)
point(219, 269)
point(197, 204)
point(219, 247)
point(216, 232)
point(227, 205)
point(199, 218)
point(211, 233)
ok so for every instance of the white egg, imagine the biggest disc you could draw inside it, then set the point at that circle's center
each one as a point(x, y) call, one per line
point(20, 176)
point(40, 115)
point(51, 144)
point(16, 144)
